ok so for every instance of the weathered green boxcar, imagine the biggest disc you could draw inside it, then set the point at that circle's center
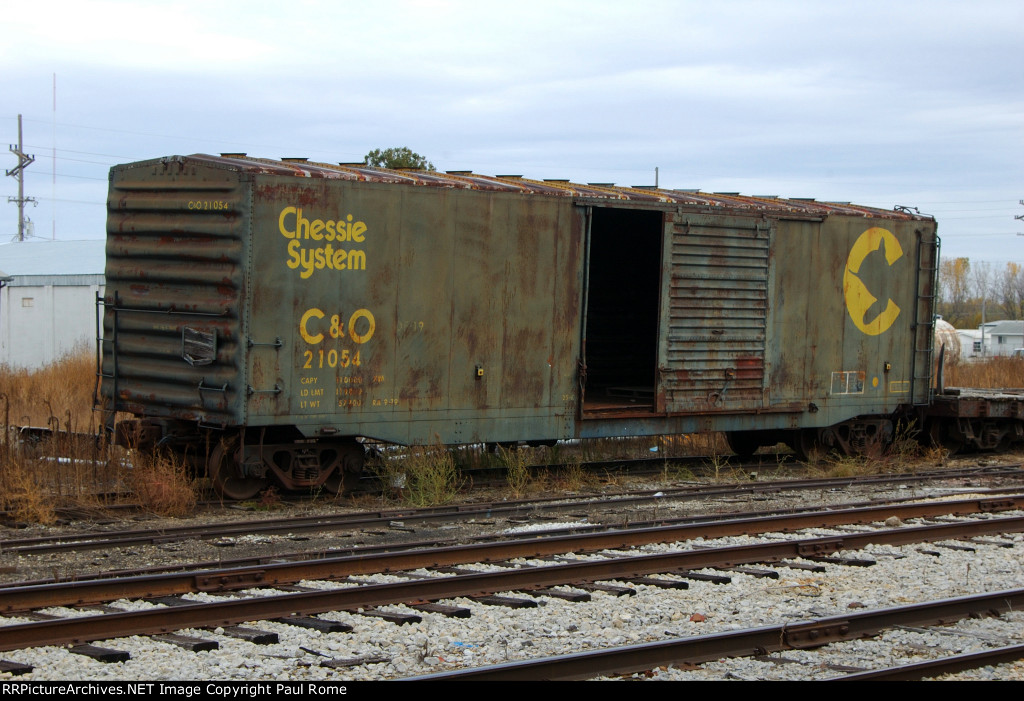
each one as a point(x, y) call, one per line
point(269, 313)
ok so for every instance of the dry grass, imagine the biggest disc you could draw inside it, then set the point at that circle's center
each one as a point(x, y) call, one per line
point(33, 482)
point(994, 373)
point(517, 470)
point(59, 393)
point(423, 476)
point(161, 484)
point(73, 467)
point(23, 496)
point(836, 465)
point(574, 478)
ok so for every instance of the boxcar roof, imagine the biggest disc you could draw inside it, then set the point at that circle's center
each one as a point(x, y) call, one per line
point(303, 168)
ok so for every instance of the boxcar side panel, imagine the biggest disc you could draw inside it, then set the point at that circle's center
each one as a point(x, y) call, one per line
point(443, 317)
point(848, 304)
point(776, 323)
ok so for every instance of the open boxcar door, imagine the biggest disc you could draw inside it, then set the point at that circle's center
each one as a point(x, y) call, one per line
point(620, 312)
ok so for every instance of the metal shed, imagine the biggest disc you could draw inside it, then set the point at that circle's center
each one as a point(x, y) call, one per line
point(47, 306)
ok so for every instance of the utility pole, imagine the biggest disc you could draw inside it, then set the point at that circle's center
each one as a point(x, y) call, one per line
point(19, 172)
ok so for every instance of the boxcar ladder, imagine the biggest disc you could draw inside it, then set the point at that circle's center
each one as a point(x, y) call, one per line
point(924, 320)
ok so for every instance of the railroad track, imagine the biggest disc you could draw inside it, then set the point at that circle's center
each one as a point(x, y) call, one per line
point(533, 508)
point(341, 591)
point(762, 642)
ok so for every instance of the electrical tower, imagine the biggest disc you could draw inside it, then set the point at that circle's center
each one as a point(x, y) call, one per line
point(19, 172)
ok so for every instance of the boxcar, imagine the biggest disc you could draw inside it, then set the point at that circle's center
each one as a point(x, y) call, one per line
point(268, 317)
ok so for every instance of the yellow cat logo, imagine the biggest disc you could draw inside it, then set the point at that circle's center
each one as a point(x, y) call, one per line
point(858, 298)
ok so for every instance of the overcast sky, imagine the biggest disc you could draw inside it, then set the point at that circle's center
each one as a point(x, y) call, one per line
point(880, 103)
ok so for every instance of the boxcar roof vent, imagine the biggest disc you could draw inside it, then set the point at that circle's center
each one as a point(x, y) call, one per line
point(508, 176)
point(556, 180)
point(692, 190)
point(232, 155)
point(766, 197)
point(295, 159)
point(734, 194)
point(353, 163)
point(602, 184)
point(459, 172)
point(644, 187)
point(803, 199)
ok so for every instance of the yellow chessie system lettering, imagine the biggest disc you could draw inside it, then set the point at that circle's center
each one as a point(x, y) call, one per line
point(309, 258)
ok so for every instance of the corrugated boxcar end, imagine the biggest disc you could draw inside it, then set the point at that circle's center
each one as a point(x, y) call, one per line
point(177, 233)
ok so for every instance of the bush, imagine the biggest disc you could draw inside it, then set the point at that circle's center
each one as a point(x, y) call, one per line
point(423, 476)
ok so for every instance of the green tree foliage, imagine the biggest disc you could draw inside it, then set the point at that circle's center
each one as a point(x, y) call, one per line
point(401, 157)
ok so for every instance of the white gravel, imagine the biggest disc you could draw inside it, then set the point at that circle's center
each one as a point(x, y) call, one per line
point(495, 634)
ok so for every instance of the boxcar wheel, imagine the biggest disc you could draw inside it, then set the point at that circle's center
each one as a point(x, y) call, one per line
point(945, 435)
point(808, 446)
point(222, 469)
point(743, 443)
point(346, 478)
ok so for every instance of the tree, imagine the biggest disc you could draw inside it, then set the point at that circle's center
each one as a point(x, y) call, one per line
point(1011, 290)
point(981, 283)
point(401, 157)
point(955, 288)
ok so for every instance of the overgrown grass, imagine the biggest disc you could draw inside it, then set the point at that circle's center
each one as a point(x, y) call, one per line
point(517, 470)
point(23, 496)
point(423, 476)
point(61, 472)
point(162, 484)
point(59, 393)
point(990, 373)
point(838, 465)
point(72, 467)
point(905, 449)
point(574, 478)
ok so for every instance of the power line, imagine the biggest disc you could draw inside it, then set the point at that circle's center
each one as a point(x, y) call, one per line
point(82, 160)
point(190, 138)
point(992, 216)
point(88, 153)
point(102, 203)
point(69, 175)
point(959, 236)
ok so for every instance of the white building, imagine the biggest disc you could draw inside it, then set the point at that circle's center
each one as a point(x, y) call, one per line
point(48, 304)
point(1003, 337)
point(970, 343)
point(993, 338)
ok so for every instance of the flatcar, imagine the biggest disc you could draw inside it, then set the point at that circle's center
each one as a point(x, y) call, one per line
point(268, 317)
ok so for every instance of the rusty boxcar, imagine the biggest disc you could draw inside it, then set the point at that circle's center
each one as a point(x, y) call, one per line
point(268, 316)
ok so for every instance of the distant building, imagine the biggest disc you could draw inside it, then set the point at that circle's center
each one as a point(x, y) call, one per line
point(994, 338)
point(1003, 337)
point(48, 304)
point(970, 343)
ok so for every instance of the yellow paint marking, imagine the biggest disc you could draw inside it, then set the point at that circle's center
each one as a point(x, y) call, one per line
point(858, 298)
